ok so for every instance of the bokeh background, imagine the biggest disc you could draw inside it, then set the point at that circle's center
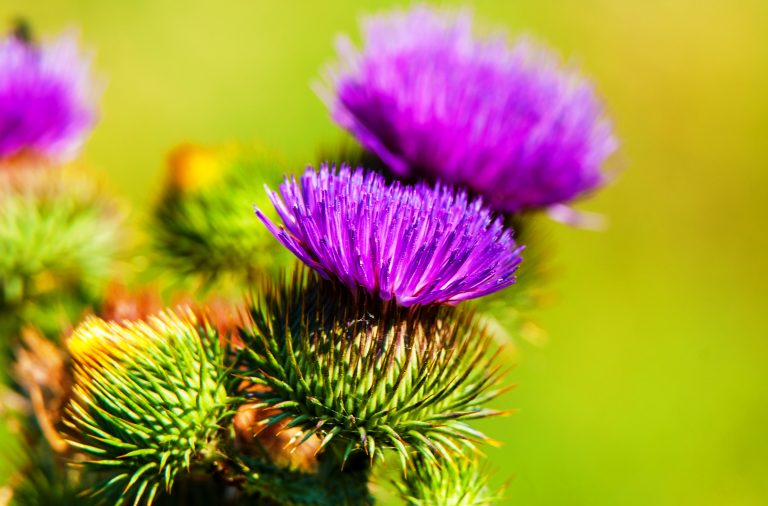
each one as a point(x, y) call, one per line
point(651, 387)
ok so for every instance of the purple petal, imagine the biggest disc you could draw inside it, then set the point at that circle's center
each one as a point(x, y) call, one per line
point(417, 244)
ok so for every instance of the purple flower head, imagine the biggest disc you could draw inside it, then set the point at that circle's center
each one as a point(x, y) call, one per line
point(416, 244)
point(433, 101)
point(47, 99)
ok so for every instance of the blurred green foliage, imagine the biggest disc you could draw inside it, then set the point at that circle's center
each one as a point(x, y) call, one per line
point(651, 387)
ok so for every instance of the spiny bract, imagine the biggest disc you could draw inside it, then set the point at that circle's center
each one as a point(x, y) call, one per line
point(369, 375)
point(148, 401)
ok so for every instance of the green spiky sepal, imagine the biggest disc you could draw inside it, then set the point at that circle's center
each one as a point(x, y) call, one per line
point(149, 402)
point(365, 375)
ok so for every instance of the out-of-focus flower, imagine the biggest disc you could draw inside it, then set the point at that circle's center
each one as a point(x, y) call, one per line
point(193, 168)
point(433, 101)
point(203, 229)
point(416, 244)
point(60, 238)
point(47, 100)
point(122, 304)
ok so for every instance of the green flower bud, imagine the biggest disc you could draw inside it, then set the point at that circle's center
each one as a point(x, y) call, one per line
point(58, 241)
point(204, 225)
point(148, 402)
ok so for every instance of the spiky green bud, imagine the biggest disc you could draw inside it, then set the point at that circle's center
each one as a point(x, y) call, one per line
point(148, 402)
point(204, 225)
point(369, 375)
point(58, 241)
point(458, 482)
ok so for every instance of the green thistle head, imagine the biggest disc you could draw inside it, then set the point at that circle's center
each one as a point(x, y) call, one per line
point(367, 375)
point(58, 242)
point(148, 402)
point(204, 225)
point(459, 482)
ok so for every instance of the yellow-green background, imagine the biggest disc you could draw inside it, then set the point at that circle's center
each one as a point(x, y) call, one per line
point(652, 387)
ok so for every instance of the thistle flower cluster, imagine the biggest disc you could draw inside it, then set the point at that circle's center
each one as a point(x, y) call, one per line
point(367, 353)
point(291, 385)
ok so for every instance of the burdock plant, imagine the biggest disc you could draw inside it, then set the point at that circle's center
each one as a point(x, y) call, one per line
point(302, 379)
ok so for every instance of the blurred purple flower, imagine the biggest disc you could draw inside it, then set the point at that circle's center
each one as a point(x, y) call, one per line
point(415, 244)
point(434, 102)
point(47, 99)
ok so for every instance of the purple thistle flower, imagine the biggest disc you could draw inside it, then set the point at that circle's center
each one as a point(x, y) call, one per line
point(434, 102)
point(47, 99)
point(416, 244)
